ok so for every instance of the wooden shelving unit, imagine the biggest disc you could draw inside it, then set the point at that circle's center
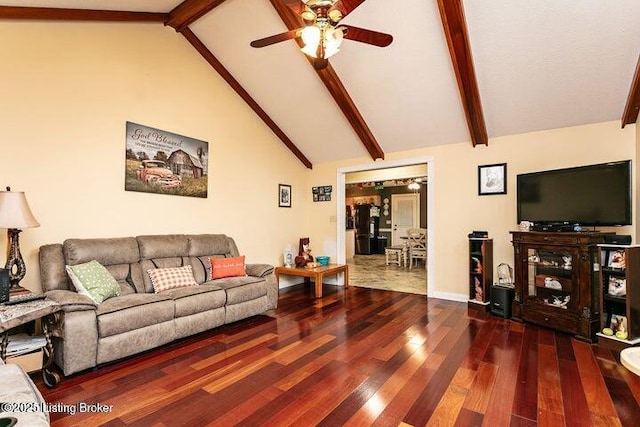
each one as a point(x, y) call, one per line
point(620, 294)
point(557, 283)
point(480, 270)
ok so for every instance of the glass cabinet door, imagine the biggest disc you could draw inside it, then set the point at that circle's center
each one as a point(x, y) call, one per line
point(550, 278)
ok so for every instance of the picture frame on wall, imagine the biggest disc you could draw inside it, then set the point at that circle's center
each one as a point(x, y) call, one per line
point(322, 193)
point(492, 179)
point(284, 196)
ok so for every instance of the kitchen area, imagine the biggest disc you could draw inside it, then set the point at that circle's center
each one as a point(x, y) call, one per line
point(370, 228)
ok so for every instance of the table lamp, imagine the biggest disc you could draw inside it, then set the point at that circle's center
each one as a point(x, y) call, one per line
point(14, 216)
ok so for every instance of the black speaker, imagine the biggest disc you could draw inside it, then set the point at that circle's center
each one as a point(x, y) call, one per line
point(4, 285)
point(501, 299)
point(617, 239)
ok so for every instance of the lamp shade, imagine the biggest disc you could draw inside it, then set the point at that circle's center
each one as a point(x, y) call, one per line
point(15, 211)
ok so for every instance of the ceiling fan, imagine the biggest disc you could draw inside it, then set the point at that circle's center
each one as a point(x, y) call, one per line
point(322, 33)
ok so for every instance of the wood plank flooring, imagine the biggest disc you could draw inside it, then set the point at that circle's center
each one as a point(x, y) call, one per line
point(361, 357)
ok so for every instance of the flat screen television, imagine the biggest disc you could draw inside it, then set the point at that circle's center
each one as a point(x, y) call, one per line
point(594, 195)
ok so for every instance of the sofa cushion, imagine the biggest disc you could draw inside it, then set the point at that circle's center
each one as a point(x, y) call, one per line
point(150, 264)
point(196, 299)
point(164, 279)
point(134, 311)
point(211, 244)
point(241, 289)
point(119, 255)
point(167, 246)
point(202, 267)
point(227, 267)
point(120, 250)
point(91, 279)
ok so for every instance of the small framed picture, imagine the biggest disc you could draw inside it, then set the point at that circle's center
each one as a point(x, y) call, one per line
point(616, 259)
point(492, 179)
point(284, 195)
point(321, 193)
point(618, 323)
point(617, 286)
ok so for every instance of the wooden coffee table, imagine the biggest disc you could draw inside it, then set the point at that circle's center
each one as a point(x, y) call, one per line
point(318, 273)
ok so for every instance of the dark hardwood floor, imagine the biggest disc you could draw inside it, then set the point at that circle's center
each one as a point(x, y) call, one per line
point(361, 357)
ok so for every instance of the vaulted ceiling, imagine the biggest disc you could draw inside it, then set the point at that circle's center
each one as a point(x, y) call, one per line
point(457, 70)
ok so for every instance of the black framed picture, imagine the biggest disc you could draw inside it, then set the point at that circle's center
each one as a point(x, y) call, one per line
point(492, 179)
point(284, 195)
point(321, 193)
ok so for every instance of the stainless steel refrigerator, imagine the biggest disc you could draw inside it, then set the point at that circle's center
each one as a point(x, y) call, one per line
point(367, 228)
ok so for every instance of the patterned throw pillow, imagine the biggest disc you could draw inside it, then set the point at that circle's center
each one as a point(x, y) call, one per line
point(164, 279)
point(93, 280)
point(227, 267)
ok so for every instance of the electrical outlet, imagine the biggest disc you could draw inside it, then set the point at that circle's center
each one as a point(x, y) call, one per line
point(333, 218)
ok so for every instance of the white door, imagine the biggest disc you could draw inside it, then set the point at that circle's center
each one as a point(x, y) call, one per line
point(405, 214)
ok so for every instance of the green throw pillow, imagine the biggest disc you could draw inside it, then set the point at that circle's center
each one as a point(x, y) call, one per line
point(93, 280)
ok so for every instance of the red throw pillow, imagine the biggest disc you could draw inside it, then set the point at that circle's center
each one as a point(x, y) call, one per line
point(227, 267)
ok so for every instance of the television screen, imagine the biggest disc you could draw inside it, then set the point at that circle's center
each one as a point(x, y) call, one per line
point(594, 195)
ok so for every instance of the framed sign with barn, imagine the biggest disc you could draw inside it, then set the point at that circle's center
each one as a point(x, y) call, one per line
point(162, 162)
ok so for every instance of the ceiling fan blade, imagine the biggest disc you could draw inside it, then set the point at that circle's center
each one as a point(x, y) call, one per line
point(347, 6)
point(267, 41)
point(367, 36)
point(296, 5)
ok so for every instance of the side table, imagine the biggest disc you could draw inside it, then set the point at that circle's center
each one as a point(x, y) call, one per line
point(317, 273)
point(15, 315)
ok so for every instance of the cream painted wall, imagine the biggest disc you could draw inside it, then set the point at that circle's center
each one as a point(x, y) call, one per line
point(67, 90)
point(458, 208)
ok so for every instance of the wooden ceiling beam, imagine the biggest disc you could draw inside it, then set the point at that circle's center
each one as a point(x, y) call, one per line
point(189, 11)
point(235, 85)
point(455, 30)
point(336, 89)
point(52, 14)
point(632, 107)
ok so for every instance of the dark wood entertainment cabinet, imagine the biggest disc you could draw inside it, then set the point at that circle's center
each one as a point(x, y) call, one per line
point(557, 280)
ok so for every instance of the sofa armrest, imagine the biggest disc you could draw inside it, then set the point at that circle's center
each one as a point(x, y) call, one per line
point(71, 301)
point(259, 270)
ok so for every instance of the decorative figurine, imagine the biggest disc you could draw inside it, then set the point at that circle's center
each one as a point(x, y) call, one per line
point(287, 256)
point(551, 283)
point(304, 253)
point(558, 302)
point(477, 265)
point(478, 288)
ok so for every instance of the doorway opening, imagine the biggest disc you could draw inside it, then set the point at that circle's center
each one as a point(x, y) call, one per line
point(386, 229)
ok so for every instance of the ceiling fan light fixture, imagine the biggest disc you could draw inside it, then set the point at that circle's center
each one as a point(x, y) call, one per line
point(335, 15)
point(332, 41)
point(308, 16)
point(311, 38)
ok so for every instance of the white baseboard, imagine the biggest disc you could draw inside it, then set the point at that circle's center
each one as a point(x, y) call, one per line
point(449, 296)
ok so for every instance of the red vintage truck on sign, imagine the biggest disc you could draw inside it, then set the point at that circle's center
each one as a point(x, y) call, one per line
point(156, 172)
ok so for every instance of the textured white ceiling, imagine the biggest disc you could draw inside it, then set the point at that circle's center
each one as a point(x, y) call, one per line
point(540, 64)
point(546, 64)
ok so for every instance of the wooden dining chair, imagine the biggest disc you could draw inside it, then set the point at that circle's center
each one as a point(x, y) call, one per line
point(417, 245)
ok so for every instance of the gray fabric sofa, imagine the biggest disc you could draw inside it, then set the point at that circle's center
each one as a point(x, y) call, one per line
point(88, 335)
